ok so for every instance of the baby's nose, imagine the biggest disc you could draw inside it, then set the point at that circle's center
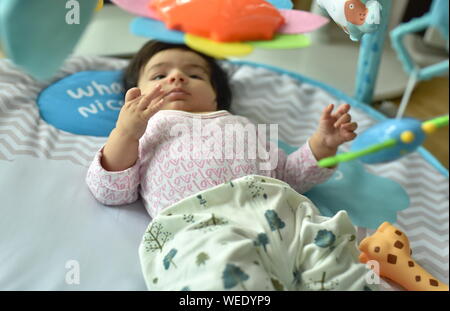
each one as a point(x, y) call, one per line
point(177, 77)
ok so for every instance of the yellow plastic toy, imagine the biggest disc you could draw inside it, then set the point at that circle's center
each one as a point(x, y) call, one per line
point(218, 49)
point(99, 5)
point(390, 248)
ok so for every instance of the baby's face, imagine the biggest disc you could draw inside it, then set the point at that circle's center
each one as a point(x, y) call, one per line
point(184, 77)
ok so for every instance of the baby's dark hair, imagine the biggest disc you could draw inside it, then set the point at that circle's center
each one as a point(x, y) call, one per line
point(219, 78)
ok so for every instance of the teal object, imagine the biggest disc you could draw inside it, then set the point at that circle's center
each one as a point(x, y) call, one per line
point(233, 276)
point(168, 259)
point(369, 60)
point(324, 238)
point(385, 130)
point(274, 221)
point(85, 103)
point(36, 36)
point(282, 4)
point(153, 29)
point(368, 199)
point(437, 17)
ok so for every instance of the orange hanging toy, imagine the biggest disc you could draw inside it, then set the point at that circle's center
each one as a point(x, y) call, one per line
point(223, 21)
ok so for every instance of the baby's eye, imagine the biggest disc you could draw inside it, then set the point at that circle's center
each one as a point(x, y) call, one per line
point(158, 77)
point(195, 77)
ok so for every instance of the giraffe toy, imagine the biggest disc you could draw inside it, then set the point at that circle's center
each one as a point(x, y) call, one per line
point(390, 248)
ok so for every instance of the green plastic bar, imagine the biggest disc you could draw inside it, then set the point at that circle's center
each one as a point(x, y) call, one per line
point(344, 157)
point(439, 121)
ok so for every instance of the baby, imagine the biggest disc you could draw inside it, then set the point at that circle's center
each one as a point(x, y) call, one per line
point(171, 86)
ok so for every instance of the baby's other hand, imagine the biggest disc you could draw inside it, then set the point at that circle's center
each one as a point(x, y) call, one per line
point(334, 129)
point(137, 110)
point(337, 127)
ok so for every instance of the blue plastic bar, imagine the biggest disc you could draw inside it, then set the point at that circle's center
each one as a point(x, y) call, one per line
point(434, 70)
point(370, 57)
point(397, 36)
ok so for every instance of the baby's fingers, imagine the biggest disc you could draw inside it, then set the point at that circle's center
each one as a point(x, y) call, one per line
point(154, 108)
point(132, 94)
point(148, 99)
point(347, 131)
point(346, 118)
point(351, 127)
point(341, 110)
point(326, 113)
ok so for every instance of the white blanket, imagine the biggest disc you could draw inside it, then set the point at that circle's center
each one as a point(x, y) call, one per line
point(252, 233)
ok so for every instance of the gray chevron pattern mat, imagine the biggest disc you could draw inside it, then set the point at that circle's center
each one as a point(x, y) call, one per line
point(264, 97)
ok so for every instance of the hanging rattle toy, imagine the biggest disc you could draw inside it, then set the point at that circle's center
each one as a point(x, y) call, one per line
point(388, 141)
point(355, 17)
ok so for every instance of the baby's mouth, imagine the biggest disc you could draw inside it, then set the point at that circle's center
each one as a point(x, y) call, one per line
point(177, 93)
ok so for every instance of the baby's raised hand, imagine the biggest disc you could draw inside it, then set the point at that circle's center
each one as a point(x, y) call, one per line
point(137, 110)
point(334, 129)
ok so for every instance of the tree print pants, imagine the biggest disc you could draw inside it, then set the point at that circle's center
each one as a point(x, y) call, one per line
point(252, 233)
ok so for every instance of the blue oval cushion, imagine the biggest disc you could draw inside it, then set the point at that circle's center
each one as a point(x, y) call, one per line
point(84, 103)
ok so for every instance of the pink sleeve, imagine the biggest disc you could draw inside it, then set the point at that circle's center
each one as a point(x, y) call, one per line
point(113, 188)
point(300, 169)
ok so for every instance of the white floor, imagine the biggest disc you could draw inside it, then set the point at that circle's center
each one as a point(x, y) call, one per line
point(109, 34)
point(335, 64)
point(332, 62)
